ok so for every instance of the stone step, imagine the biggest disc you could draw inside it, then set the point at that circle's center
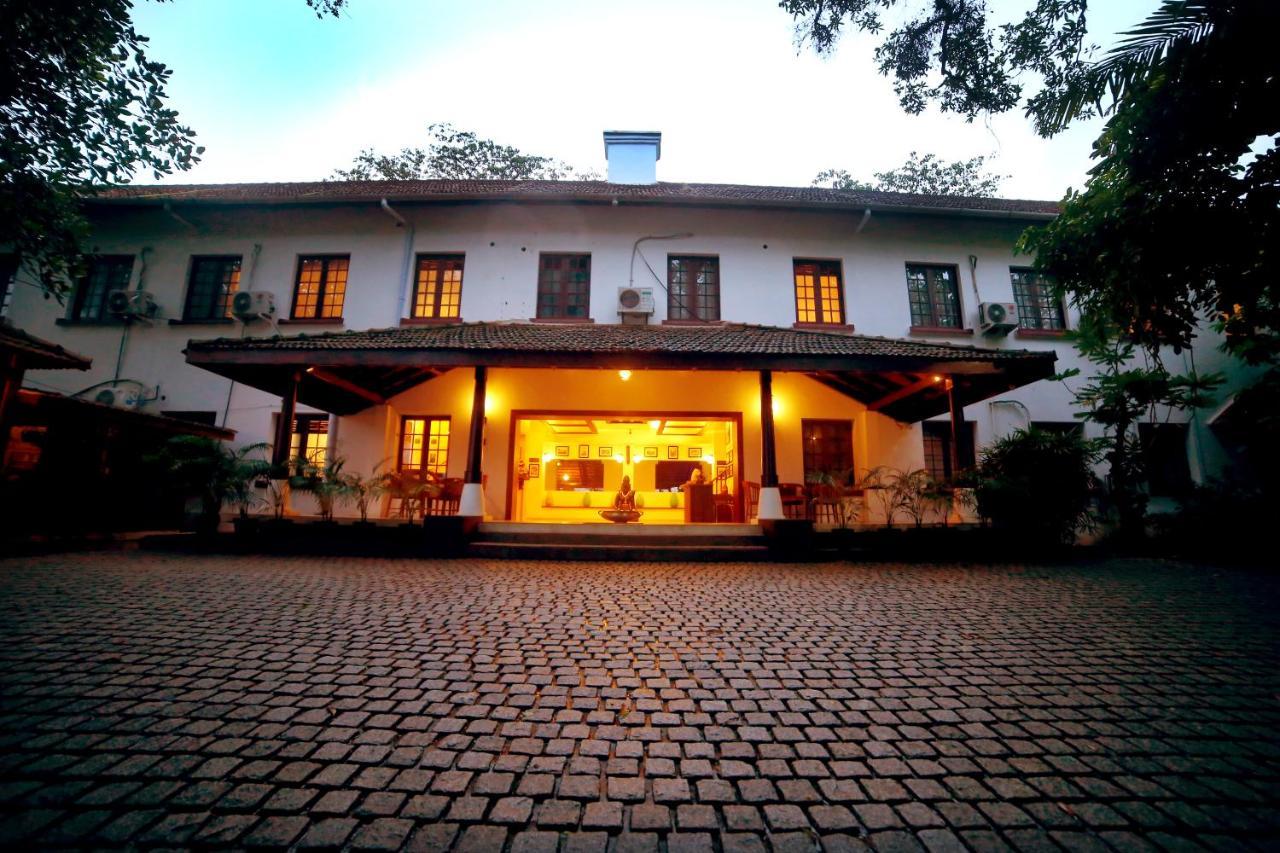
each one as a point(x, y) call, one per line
point(631, 551)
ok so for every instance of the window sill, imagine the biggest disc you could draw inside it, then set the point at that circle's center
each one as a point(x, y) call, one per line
point(220, 321)
point(430, 321)
point(67, 321)
point(561, 320)
point(311, 321)
point(1040, 333)
point(824, 327)
point(694, 323)
point(939, 331)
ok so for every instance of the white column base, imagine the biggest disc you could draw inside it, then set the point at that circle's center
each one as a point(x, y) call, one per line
point(472, 501)
point(770, 507)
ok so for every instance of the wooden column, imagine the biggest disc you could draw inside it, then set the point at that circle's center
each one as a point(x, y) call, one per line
point(957, 426)
point(768, 445)
point(10, 381)
point(475, 445)
point(284, 428)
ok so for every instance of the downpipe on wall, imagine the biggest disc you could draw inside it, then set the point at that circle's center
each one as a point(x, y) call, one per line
point(405, 265)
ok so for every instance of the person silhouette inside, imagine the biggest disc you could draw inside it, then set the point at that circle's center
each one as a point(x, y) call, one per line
point(695, 478)
point(625, 499)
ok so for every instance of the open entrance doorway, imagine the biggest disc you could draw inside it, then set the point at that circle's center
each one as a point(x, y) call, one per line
point(567, 466)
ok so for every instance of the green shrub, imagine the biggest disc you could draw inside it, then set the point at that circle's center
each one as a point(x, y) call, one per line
point(1038, 484)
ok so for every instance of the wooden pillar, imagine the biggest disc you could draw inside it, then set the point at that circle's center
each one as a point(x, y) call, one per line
point(770, 507)
point(10, 381)
point(284, 428)
point(472, 502)
point(768, 444)
point(957, 426)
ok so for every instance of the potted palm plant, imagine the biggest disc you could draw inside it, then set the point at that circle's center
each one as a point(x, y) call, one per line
point(216, 473)
point(326, 483)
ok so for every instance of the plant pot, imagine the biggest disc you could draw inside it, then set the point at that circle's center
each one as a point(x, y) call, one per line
point(621, 516)
point(247, 528)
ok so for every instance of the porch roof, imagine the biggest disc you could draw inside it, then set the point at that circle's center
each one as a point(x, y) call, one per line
point(346, 372)
point(31, 352)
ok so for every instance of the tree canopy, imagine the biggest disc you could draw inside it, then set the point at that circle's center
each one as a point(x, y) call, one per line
point(926, 175)
point(81, 106)
point(459, 155)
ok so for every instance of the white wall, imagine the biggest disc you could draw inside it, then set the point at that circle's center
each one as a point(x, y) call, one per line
point(501, 243)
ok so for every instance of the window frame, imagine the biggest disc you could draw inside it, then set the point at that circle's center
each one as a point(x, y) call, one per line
point(79, 299)
point(806, 452)
point(296, 431)
point(819, 304)
point(1041, 296)
point(448, 261)
point(696, 264)
point(423, 465)
point(944, 427)
point(322, 288)
point(562, 290)
point(227, 296)
point(935, 320)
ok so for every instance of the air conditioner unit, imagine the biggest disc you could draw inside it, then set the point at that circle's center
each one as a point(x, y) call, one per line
point(132, 304)
point(997, 318)
point(248, 305)
point(635, 300)
point(118, 397)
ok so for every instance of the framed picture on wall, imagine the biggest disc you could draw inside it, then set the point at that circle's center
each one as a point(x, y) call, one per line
point(562, 450)
point(535, 469)
point(604, 452)
point(584, 451)
point(651, 453)
point(673, 451)
point(695, 452)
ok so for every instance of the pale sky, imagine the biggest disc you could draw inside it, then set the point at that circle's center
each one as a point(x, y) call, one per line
point(276, 95)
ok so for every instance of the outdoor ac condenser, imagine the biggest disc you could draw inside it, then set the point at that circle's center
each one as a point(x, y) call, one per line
point(997, 318)
point(249, 305)
point(131, 304)
point(635, 304)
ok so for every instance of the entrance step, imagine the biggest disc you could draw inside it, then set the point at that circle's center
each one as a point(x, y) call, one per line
point(613, 552)
point(663, 542)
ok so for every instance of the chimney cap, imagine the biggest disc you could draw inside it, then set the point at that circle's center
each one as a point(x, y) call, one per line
point(634, 137)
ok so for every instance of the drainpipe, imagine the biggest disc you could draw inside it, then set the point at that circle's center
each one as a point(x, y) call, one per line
point(408, 252)
point(862, 223)
point(168, 208)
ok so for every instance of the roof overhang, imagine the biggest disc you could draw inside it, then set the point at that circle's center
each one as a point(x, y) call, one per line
point(46, 405)
point(31, 353)
point(345, 377)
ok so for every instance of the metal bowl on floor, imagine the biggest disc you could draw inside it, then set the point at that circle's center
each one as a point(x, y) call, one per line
point(621, 516)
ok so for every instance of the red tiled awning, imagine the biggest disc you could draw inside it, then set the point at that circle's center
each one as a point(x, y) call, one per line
point(345, 372)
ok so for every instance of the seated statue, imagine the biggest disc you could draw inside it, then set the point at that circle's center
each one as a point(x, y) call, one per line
point(626, 496)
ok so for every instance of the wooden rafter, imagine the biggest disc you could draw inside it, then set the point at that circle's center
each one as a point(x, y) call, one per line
point(323, 375)
point(905, 391)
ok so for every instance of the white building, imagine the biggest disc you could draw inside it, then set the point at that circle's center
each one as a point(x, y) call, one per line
point(871, 306)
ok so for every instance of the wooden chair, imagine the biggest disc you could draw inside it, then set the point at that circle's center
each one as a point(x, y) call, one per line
point(447, 499)
point(795, 500)
point(750, 500)
point(408, 493)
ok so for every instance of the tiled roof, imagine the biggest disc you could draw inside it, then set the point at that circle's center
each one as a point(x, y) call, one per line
point(736, 195)
point(36, 352)
point(726, 339)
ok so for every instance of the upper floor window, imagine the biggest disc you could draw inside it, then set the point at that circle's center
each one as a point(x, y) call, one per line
point(564, 286)
point(8, 272)
point(437, 288)
point(935, 296)
point(211, 286)
point(1038, 306)
point(104, 274)
point(309, 439)
point(320, 287)
point(819, 292)
point(693, 287)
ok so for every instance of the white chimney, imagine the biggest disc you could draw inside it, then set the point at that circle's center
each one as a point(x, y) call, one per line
point(633, 156)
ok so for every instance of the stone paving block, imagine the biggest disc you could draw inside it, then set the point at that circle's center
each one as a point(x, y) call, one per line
point(1126, 705)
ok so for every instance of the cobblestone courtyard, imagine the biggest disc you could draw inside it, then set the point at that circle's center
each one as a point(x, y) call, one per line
point(155, 700)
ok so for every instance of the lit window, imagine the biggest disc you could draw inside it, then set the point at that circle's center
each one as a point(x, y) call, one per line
point(1038, 305)
point(424, 445)
point(310, 439)
point(321, 286)
point(210, 288)
point(819, 294)
point(693, 288)
point(437, 288)
point(934, 295)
